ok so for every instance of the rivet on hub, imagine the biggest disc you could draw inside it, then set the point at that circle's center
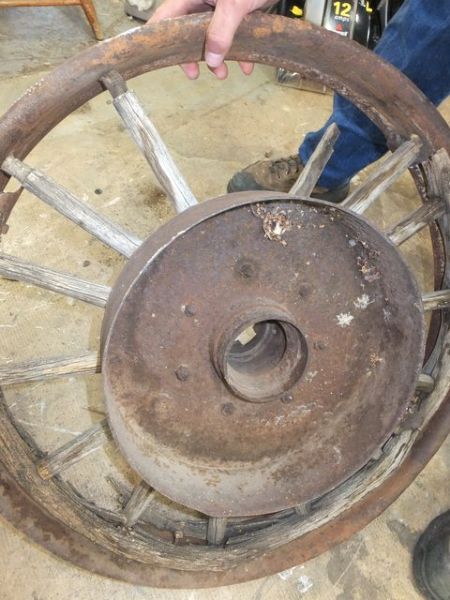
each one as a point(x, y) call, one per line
point(286, 398)
point(182, 373)
point(189, 310)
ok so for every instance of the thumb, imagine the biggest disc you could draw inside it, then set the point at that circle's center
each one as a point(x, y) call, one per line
point(226, 19)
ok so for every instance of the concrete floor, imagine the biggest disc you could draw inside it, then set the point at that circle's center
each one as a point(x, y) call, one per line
point(203, 124)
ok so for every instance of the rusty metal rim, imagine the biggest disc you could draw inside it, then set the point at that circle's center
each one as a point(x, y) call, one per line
point(274, 41)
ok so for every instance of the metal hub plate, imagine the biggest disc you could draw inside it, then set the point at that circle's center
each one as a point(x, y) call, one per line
point(255, 352)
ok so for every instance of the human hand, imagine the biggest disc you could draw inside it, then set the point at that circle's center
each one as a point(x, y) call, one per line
point(227, 17)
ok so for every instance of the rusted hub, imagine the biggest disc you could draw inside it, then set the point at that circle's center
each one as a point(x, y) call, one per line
point(255, 358)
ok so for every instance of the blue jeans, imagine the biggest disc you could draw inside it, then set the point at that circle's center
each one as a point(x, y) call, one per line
point(416, 41)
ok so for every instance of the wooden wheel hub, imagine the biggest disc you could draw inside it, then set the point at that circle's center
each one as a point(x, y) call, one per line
point(235, 423)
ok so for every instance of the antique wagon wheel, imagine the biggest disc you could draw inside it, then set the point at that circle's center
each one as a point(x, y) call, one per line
point(290, 441)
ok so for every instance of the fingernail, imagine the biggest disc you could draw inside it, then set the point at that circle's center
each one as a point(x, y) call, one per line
point(213, 59)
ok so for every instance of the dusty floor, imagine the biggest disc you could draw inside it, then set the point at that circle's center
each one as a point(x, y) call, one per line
point(203, 124)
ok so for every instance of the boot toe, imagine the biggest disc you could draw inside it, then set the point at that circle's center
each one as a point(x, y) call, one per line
point(241, 182)
point(431, 561)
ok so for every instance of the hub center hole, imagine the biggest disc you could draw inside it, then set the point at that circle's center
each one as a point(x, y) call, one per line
point(264, 359)
point(259, 348)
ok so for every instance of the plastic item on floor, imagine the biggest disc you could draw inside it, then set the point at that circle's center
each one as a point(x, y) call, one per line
point(139, 9)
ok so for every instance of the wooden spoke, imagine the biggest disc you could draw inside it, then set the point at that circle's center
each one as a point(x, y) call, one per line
point(74, 451)
point(382, 177)
point(415, 222)
point(71, 207)
point(149, 141)
point(62, 283)
point(139, 500)
point(178, 537)
point(51, 368)
point(216, 530)
point(436, 300)
point(309, 177)
point(425, 383)
point(437, 175)
point(303, 509)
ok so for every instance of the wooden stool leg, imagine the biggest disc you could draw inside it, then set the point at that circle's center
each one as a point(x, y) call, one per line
point(91, 16)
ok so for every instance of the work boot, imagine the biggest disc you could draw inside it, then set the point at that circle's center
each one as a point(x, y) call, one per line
point(431, 562)
point(279, 176)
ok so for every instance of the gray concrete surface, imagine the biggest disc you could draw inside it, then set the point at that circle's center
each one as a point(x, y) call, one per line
point(212, 128)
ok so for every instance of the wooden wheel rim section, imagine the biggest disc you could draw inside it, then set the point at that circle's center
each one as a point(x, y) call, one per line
point(388, 98)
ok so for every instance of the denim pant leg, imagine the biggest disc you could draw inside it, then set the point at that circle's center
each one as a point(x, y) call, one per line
point(416, 41)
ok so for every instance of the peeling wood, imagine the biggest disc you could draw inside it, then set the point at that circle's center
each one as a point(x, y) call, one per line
point(390, 169)
point(71, 207)
point(50, 368)
point(312, 171)
point(17, 269)
point(149, 141)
